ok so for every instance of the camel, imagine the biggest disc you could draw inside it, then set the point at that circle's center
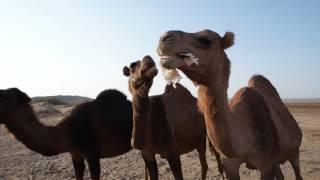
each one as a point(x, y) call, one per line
point(93, 130)
point(256, 127)
point(169, 124)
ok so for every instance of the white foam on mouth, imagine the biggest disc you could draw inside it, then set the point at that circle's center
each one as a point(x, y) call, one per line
point(172, 76)
point(190, 59)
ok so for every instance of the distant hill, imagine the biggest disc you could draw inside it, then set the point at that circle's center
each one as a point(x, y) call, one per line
point(302, 100)
point(62, 99)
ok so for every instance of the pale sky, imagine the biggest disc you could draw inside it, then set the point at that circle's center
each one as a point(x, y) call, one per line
point(80, 47)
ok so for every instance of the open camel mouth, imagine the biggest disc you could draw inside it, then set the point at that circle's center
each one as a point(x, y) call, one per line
point(170, 63)
point(179, 60)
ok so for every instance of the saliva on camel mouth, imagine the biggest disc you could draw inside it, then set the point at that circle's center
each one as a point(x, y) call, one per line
point(179, 59)
point(170, 64)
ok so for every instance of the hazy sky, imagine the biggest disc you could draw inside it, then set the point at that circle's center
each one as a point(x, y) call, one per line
point(80, 47)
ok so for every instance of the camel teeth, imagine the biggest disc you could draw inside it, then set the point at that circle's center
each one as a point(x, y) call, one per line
point(164, 57)
point(187, 54)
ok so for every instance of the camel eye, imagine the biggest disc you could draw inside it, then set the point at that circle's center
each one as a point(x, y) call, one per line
point(204, 41)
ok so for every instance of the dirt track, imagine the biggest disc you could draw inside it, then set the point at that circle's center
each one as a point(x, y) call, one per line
point(17, 162)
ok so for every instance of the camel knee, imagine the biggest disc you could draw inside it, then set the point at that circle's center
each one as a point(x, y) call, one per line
point(231, 168)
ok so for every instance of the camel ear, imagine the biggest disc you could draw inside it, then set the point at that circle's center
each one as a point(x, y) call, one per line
point(126, 71)
point(21, 97)
point(227, 40)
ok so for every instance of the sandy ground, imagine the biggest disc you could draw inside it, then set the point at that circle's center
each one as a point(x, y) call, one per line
point(18, 162)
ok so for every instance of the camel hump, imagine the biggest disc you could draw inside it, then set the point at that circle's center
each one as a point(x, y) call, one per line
point(261, 83)
point(111, 95)
point(179, 88)
point(170, 87)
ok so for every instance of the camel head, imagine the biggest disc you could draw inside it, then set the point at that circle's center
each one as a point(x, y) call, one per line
point(198, 55)
point(10, 100)
point(141, 74)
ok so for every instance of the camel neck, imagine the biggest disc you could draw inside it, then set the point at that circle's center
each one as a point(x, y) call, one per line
point(140, 107)
point(213, 102)
point(45, 140)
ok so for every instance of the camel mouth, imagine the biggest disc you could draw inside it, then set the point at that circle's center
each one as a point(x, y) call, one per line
point(178, 60)
point(151, 72)
point(170, 64)
point(145, 75)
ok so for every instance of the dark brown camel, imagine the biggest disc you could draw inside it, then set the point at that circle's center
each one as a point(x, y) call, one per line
point(169, 124)
point(98, 129)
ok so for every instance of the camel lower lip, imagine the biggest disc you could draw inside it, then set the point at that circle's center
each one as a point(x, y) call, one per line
point(179, 60)
point(171, 62)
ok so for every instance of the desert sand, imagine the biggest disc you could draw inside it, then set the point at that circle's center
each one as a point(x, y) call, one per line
point(18, 162)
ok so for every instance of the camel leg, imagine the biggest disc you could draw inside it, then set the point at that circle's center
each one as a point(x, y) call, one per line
point(203, 160)
point(150, 165)
point(279, 175)
point(296, 166)
point(269, 174)
point(218, 158)
point(175, 165)
point(94, 167)
point(78, 165)
point(231, 167)
point(146, 175)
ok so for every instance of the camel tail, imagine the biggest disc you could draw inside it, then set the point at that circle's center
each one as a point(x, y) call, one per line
point(218, 158)
point(262, 83)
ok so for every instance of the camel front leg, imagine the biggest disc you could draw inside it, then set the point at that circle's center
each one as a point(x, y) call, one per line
point(296, 166)
point(269, 174)
point(218, 158)
point(175, 165)
point(78, 165)
point(203, 160)
point(151, 165)
point(94, 167)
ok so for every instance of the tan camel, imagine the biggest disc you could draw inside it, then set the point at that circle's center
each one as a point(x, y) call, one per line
point(256, 127)
point(160, 124)
point(97, 129)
